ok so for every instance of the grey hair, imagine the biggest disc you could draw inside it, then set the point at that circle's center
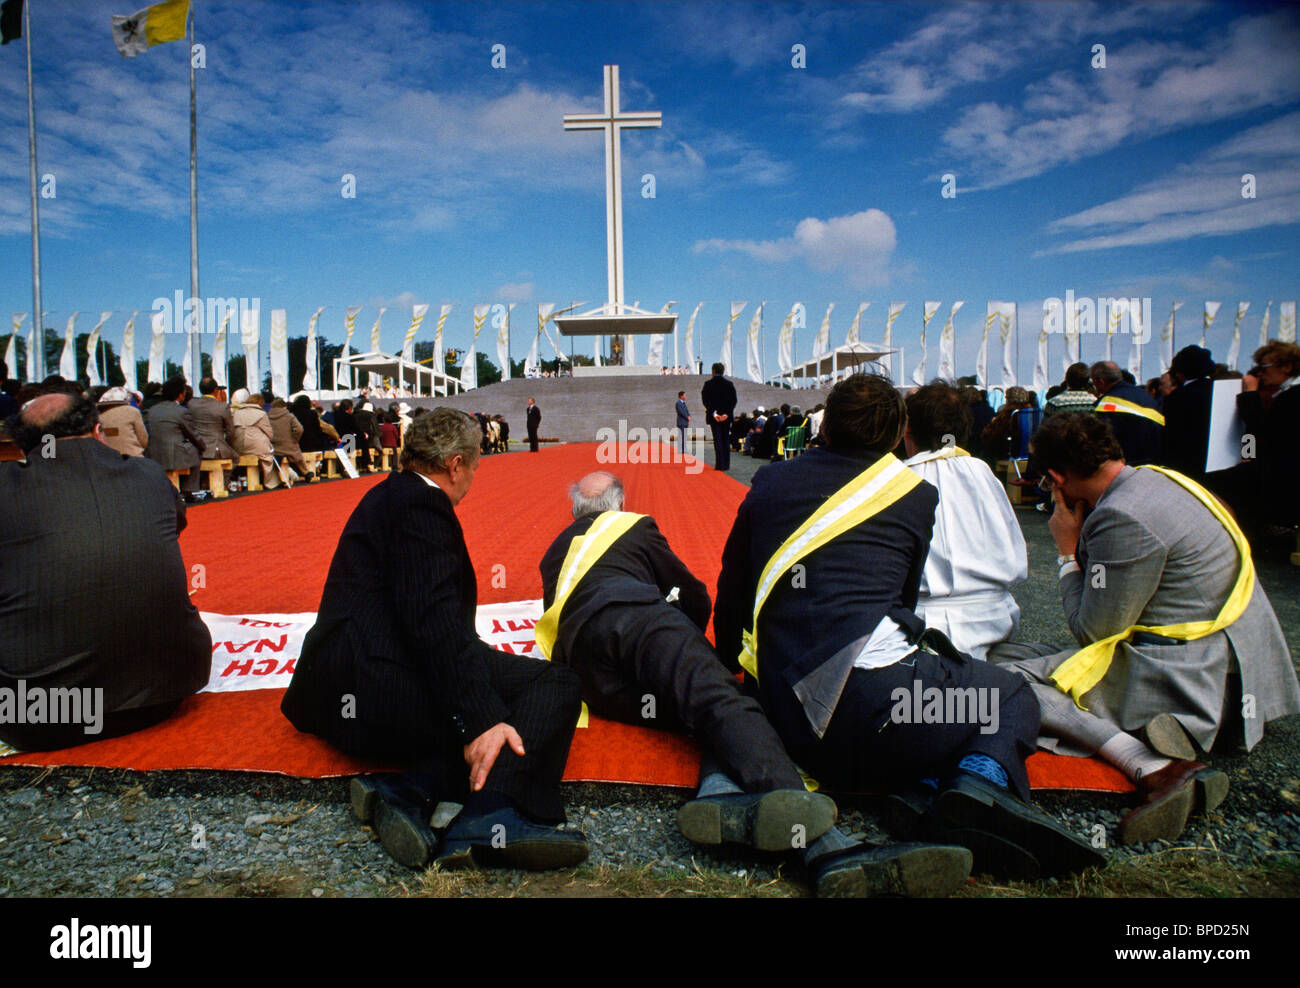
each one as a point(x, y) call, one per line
point(1106, 373)
point(610, 499)
point(432, 440)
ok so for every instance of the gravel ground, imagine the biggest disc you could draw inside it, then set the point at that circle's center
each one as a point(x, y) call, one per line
point(77, 832)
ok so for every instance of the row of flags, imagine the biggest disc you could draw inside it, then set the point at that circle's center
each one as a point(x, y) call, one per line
point(1122, 318)
point(132, 34)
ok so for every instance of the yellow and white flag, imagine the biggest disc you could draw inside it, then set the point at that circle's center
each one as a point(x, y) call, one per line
point(279, 354)
point(250, 335)
point(1286, 322)
point(822, 345)
point(374, 330)
point(154, 25)
point(532, 363)
point(1137, 333)
point(982, 357)
point(157, 346)
point(1006, 319)
point(1116, 308)
point(219, 348)
point(92, 344)
point(785, 355)
point(418, 312)
point(1234, 349)
point(1167, 339)
point(311, 376)
point(1072, 343)
point(736, 309)
point(690, 338)
point(31, 354)
point(126, 359)
point(1263, 324)
point(887, 361)
point(853, 336)
point(655, 356)
point(918, 374)
point(343, 376)
point(1040, 382)
point(443, 312)
point(1211, 310)
point(753, 362)
point(503, 341)
point(948, 346)
point(68, 359)
point(11, 351)
point(469, 363)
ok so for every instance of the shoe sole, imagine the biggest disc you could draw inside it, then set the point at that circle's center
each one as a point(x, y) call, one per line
point(996, 856)
point(771, 824)
point(1164, 735)
point(529, 855)
point(1164, 819)
point(1211, 789)
point(923, 871)
point(404, 840)
point(1058, 851)
point(364, 798)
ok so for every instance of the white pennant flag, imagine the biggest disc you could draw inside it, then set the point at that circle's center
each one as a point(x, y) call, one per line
point(822, 345)
point(1211, 310)
point(1137, 329)
point(690, 338)
point(1116, 310)
point(418, 313)
point(982, 358)
point(532, 363)
point(785, 353)
point(1007, 317)
point(887, 361)
point(92, 344)
point(250, 335)
point(857, 321)
point(918, 375)
point(1286, 322)
point(157, 346)
point(469, 365)
point(68, 360)
point(736, 309)
point(753, 363)
point(219, 348)
point(655, 357)
point(948, 346)
point(11, 351)
point(1235, 348)
point(1263, 324)
point(1072, 331)
point(373, 379)
point(438, 364)
point(1167, 339)
point(342, 375)
point(31, 355)
point(1051, 317)
point(503, 342)
point(311, 376)
point(279, 353)
point(629, 344)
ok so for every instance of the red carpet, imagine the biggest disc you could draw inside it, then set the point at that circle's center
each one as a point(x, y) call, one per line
point(270, 553)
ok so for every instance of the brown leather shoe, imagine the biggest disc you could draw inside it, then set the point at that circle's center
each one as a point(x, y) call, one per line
point(1209, 785)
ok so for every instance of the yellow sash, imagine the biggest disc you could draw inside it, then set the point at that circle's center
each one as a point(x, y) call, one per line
point(584, 552)
point(1085, 668)
point(863, 497)
point(1129, 408)
point(946, 453)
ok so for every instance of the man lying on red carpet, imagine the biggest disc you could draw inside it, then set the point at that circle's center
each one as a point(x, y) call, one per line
point(627, 615)
point(394, 669)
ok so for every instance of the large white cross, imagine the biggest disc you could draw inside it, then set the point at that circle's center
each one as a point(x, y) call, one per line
point(611, 121)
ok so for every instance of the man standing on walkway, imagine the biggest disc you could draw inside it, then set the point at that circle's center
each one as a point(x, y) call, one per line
point(534, 422)
point(719, 398)
point(683, 418)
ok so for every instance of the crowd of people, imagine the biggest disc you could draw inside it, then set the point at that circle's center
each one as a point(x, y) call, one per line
point(865, 593)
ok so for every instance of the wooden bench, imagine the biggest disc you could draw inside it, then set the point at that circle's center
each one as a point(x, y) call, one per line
point(252, 468)
point(175, 476)
point(1010, 474)
point(216, 473)
point(388, 453)
point(313, 461)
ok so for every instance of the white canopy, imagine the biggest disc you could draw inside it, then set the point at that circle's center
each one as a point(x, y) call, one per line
point(405, 374)
point(840, 362)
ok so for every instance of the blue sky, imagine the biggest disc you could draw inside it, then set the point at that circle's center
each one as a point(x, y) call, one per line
point(772, 182)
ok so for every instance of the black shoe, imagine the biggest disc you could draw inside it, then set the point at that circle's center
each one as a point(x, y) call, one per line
point(903, 812)
point(504, 838)
point(909, 870)
point(405, 833)
point(971, 803)
point(764, 821)
point(367, 791)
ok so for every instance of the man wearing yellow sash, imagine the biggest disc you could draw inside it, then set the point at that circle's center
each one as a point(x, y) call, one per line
point(1178, 638)
point(817, 593)
point(628, 616)
point(1130, 412)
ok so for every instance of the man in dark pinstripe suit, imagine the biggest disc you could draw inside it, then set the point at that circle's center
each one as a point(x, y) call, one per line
point(394, 669)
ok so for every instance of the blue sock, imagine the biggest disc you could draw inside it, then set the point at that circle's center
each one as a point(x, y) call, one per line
point(933, 783)
point(985, 767)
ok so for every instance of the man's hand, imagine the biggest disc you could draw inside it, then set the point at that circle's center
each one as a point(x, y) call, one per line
point(481, 753)
point(1065, 523)
point(1249, 382)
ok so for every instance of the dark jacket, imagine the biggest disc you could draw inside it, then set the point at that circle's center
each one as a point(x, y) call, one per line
point(171, 431)
point(718, 396)
point(395, 627)
point(843, 592)
point(639, 568)
point(215, 425)
point(93, 590)
point(1187, 427)
point(1139, 437)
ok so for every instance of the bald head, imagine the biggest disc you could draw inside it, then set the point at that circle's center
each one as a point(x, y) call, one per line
point(1105, 375)
point(596, 492)
point(61, 415)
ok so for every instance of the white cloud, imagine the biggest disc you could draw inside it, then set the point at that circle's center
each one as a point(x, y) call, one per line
point(858, 245)
point(514, 291)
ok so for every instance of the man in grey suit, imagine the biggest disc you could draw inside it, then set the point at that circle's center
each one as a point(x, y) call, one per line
point(1154, 555)
point(213, 421)
point(683, 418)
point(173, 436)
point(96, 598)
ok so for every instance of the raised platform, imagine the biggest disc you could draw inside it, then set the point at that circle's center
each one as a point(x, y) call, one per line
point(616, 370)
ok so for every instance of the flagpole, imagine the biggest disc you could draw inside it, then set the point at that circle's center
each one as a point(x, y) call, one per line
point(37, 315)
point(196, 339)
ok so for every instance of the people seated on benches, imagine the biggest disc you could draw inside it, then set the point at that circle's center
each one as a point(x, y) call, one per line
point(122, 423)
point(286, 430)
point(394, 669)
point(977, 552)
point(1177, 637)
point(1000, 437)
point(253, 435)
point(173, 442)
point(97, 629)
point(1075, 395)
point(816, 597)
point(628, 617)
